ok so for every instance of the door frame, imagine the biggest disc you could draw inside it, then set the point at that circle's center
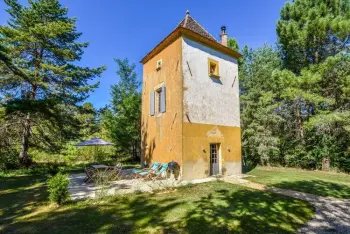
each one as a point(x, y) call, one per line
point(219, 157)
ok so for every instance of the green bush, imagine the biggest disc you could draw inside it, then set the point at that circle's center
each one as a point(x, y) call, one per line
point(53, 168)
point(58, 188)
point(70, 153)
point(8, 160)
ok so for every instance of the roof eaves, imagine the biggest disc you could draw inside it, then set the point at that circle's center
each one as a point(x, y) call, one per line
point(181, 30)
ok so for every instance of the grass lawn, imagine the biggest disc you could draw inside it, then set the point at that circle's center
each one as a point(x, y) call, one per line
point(215, 207)
point(316, 182)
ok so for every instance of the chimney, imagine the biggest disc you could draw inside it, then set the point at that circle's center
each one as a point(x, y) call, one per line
point(223, 36)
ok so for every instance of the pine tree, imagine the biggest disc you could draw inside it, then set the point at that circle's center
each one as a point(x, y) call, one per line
point(41, 84)
point(311, 30)
point(232, 43)
point(123, 119)
point(258, 94)
point(88, 117)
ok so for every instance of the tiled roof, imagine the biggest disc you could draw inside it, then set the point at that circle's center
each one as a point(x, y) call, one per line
point(189, 23)
point(188, 26)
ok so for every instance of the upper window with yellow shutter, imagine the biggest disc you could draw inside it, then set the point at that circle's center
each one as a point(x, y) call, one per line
point(213, 68)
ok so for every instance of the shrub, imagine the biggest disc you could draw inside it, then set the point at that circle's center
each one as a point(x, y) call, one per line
point(53, 168)
point(58, 188)
point(8, 159)
point(70, 153)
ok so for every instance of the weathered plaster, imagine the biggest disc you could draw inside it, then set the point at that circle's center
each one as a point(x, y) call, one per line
point(210, 112)
point(200, 110)
point(196, 149)
point(209, 100)
point(161, 135)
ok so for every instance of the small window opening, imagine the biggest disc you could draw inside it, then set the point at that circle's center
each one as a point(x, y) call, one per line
point(213, 67)
point(159, 64)
point(159, 101)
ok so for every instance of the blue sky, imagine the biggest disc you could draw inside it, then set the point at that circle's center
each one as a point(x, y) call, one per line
point(120, 29)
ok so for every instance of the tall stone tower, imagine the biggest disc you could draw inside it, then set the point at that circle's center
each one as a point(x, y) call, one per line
point(190, 103)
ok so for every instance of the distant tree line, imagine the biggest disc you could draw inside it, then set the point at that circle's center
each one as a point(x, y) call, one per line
point(295, 98)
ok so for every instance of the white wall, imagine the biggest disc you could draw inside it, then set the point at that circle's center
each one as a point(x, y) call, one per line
point(209, 100)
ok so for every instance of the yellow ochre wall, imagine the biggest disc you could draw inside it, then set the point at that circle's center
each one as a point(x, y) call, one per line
point(167, 137)
point(161, 134)
point(196, 149)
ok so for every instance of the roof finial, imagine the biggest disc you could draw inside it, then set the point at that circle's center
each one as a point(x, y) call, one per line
point(187, 12)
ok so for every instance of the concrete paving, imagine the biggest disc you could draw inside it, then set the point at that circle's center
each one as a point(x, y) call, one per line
point(80, 190)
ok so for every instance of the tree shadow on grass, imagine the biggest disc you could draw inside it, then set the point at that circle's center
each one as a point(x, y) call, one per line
point(114, 215)
point(207, 208)
point(246, 169)
point(317, 187)
point(19, 196)
point(247, 211)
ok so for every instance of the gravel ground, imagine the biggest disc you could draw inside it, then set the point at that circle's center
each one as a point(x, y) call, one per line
point(332, 214)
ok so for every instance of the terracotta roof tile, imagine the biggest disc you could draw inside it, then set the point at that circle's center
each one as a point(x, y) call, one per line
point(189, 23)
point(193, 27)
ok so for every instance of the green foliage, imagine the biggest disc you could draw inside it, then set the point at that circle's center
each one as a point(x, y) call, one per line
point(39, 76)
point(295, 119)
point(8, 159)
point(259, 143)
point(71, 154)
point(232, 44)
point(309, 31)
point(295, 107)
point(88, 117)
point(122, 119)
point(329, 134)
point(58, 188)
point(53, 168)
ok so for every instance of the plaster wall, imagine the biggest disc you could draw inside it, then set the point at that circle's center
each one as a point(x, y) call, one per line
point(196, 149)
point(210, 112)
point(161, 134)
point(209, 100)
point(200, 110)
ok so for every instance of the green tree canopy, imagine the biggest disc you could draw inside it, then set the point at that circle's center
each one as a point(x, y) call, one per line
point(41, 83)
point(311, 30)
point(124, 116)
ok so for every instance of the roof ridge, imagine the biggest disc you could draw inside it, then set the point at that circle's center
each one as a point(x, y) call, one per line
point(186, 18)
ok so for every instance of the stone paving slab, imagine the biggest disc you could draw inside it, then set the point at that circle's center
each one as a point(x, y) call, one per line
point(80, 190)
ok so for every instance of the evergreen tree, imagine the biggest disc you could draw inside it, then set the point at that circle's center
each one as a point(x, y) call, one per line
point(123, 119)
point(88, 118)
point(294, 120)
point(258, 93)
point(232, 43)
point(41, 84)
point(311, 30)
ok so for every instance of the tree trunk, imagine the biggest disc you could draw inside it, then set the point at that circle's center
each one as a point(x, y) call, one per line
point(325, 163)
point(23, 155)
point(300, 124)
point(316, 56)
